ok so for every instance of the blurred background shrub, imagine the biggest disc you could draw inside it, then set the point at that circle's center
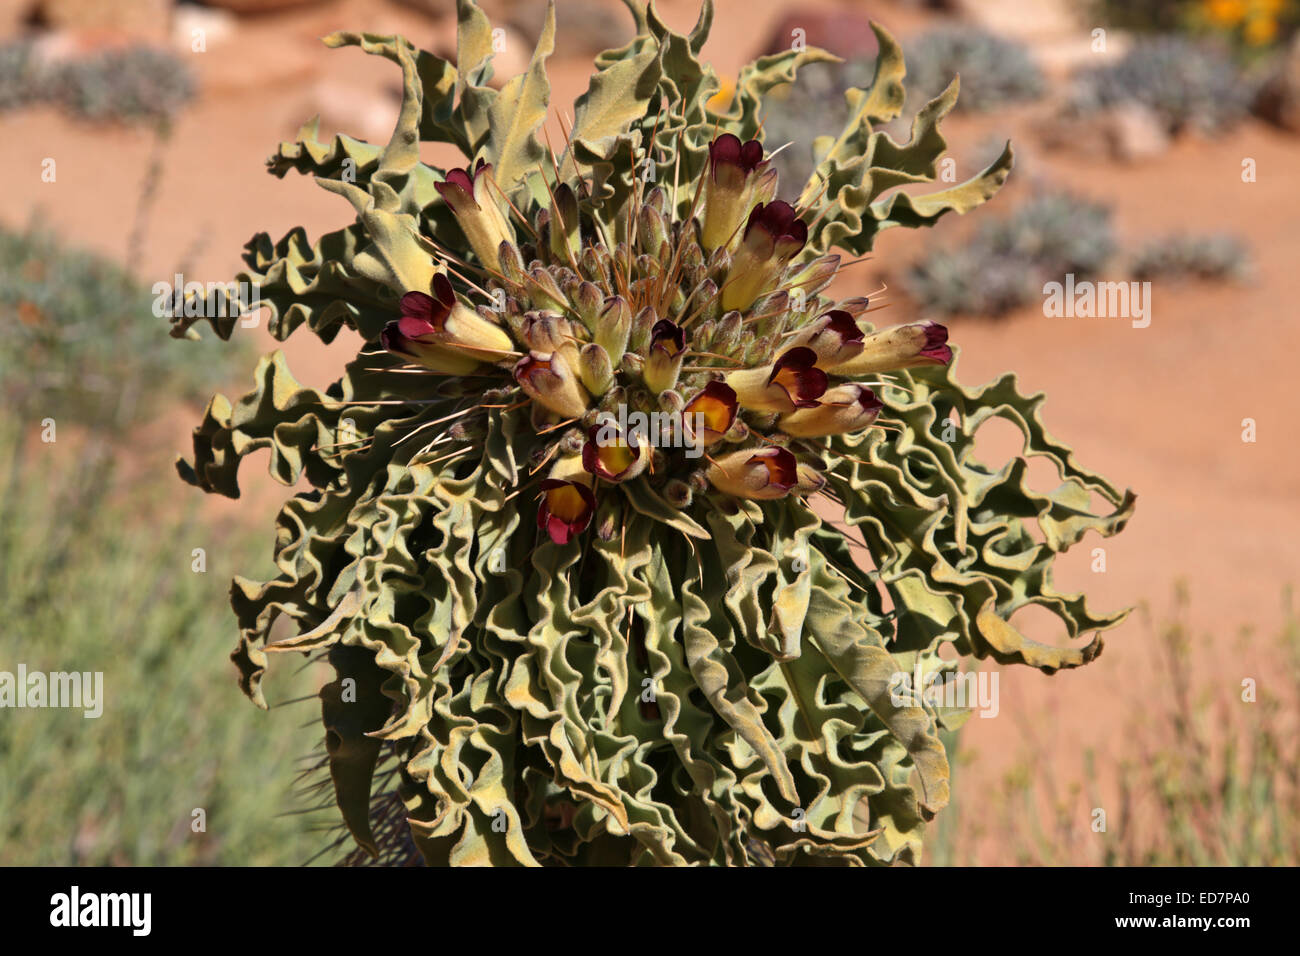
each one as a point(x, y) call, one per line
point(1210, 256)
point(994, 71)
point(1005, 262)
point(79, 341)
point(1186, 84)
point(123, 85)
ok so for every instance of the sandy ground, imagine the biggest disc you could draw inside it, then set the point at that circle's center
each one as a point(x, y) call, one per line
point(1158, 409)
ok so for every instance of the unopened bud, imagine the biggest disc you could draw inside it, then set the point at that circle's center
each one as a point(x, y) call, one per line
point(595, 369)
point(563, 232)
point(613, 327)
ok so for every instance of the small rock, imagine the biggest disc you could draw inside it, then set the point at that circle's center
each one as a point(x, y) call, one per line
point(217, 26)
point(581, 26)
point(432, 8)
point(1279, 98)
point(367, 114)
point(1129, 132)
point(244, 7)
point(843, 33)
point(54, 47)
point(139, 20)
point(512, 51)
point(1135, 132)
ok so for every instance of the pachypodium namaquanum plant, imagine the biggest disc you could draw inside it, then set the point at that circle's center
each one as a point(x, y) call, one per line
point(621, 526)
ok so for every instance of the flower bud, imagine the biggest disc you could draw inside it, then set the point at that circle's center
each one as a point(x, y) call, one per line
point(671, 401)
point(595, 369)
point(845, 408)
point(549, 381)
point(835, 337)
point(513, 274)
point(763, 474)
point(815, 276)
point(652, 229)
point(613, 326)
point(474, 202)
point(665, 356)
point(769, 313)
point(545, 291)
point(901, 346)
point(730, 329)
point(728, 187)
point(545, 332)
point(642, 325)
point(442, 320)
point(792, 381)
point(773, 235)
point(564, 235)
point(855, 306)
point(678, 494)
point(707, 300)
point(810, 480)
point(592, 266)
point(588, 303)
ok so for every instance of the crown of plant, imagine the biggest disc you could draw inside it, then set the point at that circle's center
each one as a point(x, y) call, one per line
point(561, 547)
point(702, 325)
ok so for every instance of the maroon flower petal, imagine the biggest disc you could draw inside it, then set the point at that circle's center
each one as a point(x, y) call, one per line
point(842, 324)
point(782, 468)
point(936, 343)
point(668, 336)
point(796, 371)
point(418, 305)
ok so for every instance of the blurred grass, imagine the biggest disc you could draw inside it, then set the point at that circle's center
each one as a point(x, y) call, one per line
point(1205, 779)
point(94, 578)
point(79, 340)
point(96, 575)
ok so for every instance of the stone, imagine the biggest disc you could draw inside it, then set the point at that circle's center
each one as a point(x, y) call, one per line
point(143, 20)
point(245, 7)
point(368, 114)
point(1135, 132)
point(846, 34)
point(1278, 100)
point(582, 26)
point(218, 26)
point(1129, 133)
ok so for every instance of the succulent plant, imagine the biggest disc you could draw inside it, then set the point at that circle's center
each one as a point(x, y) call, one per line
point(1004, 264)
point(994, 72)
point(562, 636)
point(1187, 84)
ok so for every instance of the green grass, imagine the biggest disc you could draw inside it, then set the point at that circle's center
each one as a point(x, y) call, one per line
point(1205, 778)
point(79, 341)
point(94, 577)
